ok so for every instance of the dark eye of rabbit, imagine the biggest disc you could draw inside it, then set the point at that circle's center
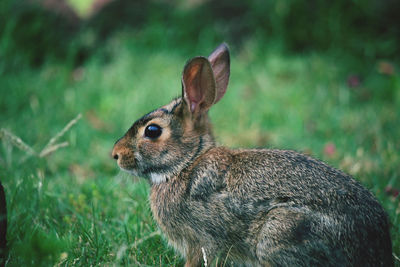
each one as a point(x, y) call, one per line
point(152, 131)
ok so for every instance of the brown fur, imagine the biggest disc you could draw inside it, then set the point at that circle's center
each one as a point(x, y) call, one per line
point(252, 207)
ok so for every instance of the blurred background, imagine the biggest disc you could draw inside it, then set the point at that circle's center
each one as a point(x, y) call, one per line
point(320, 77)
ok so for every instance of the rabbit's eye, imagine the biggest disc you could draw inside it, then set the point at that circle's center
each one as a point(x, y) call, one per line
point(152, 131)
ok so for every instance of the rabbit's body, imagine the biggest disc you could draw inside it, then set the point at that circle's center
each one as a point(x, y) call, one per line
point(269, 217)
point(255, 207)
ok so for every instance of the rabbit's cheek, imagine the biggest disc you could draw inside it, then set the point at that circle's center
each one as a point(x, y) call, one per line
point(150, 151)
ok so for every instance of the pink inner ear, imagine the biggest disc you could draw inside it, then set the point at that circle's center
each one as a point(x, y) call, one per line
point(193, 87)
point(198, 84)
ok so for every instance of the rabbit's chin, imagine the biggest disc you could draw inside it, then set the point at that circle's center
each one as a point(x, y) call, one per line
point(155, 178)
point(130, 171)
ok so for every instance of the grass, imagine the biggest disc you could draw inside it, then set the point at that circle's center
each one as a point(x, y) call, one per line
point(74, 207)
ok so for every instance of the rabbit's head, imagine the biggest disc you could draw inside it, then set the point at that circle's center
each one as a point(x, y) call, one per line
point(163, 142)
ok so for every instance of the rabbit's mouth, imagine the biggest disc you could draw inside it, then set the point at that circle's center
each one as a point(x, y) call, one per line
point(128, 164)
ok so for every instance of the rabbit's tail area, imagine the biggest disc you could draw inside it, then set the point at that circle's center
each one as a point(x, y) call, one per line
point(298, 237)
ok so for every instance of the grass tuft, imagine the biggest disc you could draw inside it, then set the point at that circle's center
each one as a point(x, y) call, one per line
point(48, 149)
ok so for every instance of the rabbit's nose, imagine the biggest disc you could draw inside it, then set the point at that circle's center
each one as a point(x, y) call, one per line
point(117, 149)
point(115, 154)
point(121, 150)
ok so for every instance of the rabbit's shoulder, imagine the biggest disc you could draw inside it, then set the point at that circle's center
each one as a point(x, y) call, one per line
point(208, 173)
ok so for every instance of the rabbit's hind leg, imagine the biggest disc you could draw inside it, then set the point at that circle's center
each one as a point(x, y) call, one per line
point(288, 237)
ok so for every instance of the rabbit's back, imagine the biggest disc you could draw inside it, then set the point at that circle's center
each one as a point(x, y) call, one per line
point(285, 174)
point(272, 206)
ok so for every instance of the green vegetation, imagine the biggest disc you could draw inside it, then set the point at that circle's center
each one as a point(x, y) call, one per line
point(339, 103)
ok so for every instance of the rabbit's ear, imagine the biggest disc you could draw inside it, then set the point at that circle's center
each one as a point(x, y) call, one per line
point(198, 85)
point(220, 63)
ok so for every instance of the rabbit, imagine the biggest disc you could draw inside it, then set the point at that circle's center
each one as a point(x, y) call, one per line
point(246, 207)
